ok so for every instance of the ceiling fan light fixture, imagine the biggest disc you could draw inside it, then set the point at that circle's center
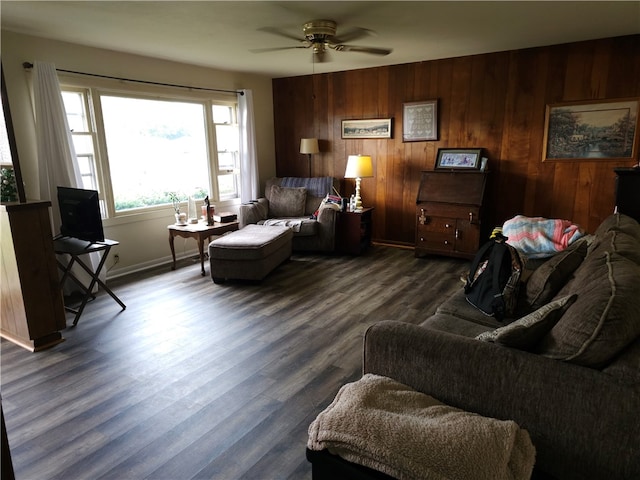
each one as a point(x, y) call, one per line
point(319, 48)
point(319, 29)
point(319, 35)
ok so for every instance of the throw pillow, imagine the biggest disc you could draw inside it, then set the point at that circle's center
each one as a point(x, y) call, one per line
point(527, 331)
point(605, 317)
point(547, 280)
point(287, 202)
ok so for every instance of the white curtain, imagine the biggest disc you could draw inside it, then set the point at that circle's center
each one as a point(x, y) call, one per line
point(250, 183)
point(56, 155)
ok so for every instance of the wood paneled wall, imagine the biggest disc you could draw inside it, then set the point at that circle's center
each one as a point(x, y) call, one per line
point(495, 101)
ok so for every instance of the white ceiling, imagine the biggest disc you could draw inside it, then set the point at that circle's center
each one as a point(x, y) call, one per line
point(221, 34)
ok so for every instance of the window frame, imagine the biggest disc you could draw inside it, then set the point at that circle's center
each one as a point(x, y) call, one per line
point(93, 89)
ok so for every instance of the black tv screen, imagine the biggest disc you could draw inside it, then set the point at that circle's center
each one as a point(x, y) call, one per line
point(80, 214)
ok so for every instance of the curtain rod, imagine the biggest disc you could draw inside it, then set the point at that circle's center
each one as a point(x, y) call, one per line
point(29, 65)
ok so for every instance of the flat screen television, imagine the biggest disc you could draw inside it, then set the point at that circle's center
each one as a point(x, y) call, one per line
point(80, 214)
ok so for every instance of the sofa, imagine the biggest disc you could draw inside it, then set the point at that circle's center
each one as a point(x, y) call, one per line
point(567, 369)
point(297, 202)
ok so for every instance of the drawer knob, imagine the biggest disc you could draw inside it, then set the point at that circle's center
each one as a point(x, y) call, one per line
point(470, 217)
point(446, 242)
point(446, 225)
point(422, 239)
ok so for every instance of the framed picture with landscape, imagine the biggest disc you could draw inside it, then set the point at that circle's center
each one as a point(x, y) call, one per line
point(371, 128)
point(591, 130)
point(458, 159)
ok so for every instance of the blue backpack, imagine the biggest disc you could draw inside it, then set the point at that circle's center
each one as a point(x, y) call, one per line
point(494, 279)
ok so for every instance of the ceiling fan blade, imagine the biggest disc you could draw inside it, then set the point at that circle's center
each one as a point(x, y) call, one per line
point(355, 48)
point(280, 33)
point(274, 49)
point(355, 34)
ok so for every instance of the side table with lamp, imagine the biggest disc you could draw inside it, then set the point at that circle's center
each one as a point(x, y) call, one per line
point(354, 228)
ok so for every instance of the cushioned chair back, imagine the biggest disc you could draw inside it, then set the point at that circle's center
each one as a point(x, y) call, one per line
point(315, 187)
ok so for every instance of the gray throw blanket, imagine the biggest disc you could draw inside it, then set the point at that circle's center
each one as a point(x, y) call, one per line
point(385, 425)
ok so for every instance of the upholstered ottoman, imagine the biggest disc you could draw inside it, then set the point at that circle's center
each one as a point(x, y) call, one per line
point(250, 253)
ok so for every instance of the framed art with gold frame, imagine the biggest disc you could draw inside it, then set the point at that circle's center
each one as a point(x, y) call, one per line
point(591, 130)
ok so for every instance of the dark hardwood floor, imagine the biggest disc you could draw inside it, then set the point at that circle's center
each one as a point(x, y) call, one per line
point(197, 380)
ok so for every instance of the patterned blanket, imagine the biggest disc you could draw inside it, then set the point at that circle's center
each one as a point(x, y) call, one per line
point(538, 237)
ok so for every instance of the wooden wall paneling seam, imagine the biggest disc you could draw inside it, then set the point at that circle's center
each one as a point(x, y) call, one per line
point(445, 85)
point(462, 80)
point(397, 158)
point(534, 163)
point(477, 135)
point(598, 75)
point(565, 188)
point(578, 78)
point(321, 126)
point(586, 184)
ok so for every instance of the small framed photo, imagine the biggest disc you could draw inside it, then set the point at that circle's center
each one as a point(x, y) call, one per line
point(374, 128)
point(420, 121)
point(459, 159)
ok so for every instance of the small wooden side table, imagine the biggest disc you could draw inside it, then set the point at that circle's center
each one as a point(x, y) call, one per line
point(199, 231)
point(353, 231)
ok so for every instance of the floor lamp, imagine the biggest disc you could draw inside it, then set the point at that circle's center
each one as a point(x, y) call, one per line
point(309, 146)
point(358, 166)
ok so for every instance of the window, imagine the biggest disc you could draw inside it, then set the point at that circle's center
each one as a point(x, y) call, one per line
point(228, 139)
point(75, 103)
point(137, 149)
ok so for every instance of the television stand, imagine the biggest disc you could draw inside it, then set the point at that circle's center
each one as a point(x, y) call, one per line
point(74, 247)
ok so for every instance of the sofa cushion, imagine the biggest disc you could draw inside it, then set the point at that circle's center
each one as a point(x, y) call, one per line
point(547, 280)
point(458, 306)
point(626, 366)
point(250, 243)
point(527, 331)
point(604, 319)
point(619, 233)
point(457, 325)
point(312, 204)
point(287, 202)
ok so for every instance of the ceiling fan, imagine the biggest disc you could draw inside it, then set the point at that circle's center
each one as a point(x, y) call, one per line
point(319, 35)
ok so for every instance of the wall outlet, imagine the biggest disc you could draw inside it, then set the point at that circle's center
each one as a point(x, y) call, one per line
point(116, 258)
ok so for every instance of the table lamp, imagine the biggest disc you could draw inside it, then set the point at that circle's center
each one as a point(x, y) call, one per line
point(309, 146)
point(358, 166)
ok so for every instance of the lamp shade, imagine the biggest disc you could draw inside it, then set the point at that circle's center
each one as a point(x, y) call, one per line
point(309, 145)
point(359, 166)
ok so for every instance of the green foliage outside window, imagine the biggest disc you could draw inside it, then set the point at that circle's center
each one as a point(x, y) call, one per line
point(157, 198)
point(8, 187)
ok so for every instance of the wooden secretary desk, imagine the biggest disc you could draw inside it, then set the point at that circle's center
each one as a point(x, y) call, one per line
point(449, 212)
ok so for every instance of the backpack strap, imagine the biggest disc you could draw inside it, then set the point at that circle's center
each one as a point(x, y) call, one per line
point(498, 303)
point(477, 260)
point(497, 257)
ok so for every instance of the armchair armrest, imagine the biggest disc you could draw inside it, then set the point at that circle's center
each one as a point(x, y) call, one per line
point(327, 214)
point(327, 228)
point(253, 212)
